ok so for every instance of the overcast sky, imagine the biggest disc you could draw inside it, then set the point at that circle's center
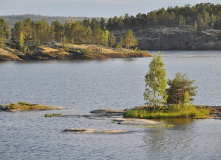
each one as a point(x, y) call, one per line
point(89, 8)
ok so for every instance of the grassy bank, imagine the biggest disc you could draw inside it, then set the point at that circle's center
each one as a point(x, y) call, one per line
point(175, 111)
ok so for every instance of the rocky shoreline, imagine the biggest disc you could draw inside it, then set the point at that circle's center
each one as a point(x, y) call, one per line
point(56, 51)
point(100, 114)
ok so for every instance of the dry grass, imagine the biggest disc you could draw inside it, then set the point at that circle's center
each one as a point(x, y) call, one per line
point(7, 56)
point(51, 51)
point(106, 51)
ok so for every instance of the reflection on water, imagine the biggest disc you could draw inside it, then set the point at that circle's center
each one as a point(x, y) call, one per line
point(170, 137)
point(183, 139)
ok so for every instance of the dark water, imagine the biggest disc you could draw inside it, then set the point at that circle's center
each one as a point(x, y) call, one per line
point(82, 86)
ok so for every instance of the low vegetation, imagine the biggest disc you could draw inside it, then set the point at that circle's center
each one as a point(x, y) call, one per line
point(174, 111)
point(24, 106)
point(53, 114)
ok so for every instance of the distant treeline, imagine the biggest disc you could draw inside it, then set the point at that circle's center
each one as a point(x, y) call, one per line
point(12, 19)
point(203, 14)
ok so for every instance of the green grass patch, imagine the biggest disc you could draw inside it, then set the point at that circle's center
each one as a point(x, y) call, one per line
point(20, 106)
point(53, 114)
point(175, 111)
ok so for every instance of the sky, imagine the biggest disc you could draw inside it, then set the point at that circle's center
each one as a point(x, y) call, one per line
point(89, 8)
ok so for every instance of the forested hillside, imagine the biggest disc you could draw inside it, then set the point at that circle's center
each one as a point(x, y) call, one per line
point(188, 27)
point(12, 19)
point(204, 14)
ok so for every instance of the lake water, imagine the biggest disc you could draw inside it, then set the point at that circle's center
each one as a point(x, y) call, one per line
point(84, 85)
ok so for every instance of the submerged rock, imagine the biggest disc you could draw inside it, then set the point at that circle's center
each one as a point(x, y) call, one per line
point(81, 130)
point(134, 121)
point(105, 112)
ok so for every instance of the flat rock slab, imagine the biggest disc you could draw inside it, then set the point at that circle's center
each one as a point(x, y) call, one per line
point(134, 121)
point(106, 110)
point(103, 131)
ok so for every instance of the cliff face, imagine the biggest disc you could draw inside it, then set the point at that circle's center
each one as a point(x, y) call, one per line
point(176, 38)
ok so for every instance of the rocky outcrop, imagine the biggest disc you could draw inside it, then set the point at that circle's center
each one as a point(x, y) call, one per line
point(215, 111)
point(8, 56)
point(55, 51)
point(134, 121)
point(104, 112)
point(46, 53)
point(175, 38)
point(101, 131)
point(24, 106)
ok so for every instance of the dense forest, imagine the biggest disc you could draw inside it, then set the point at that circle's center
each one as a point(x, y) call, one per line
point(26, 34)
point(204, 14)
point(96, 31)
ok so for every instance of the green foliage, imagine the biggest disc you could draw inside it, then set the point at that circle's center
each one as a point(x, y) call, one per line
point(175, 111)
point(203, 13)
point(24, 106)
point(2, 43)
point(11, 20)
point(112, 40)
point(178, 87)
point(21, 41)
point(195, 25)
point(129, 39)
point(105, 38)
point(97, 34)
point(23, 103)
point(118, 45)
point(61, 49)
point(53, 114)
point(156, 82)
point(4, 30)
point(26, 49)
point(186, 99)
point(87, 52)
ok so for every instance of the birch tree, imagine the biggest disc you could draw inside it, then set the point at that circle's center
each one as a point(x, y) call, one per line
point(156, 82)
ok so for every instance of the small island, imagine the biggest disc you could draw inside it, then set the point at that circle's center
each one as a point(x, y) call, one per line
point(24, 106)
point(167, 98)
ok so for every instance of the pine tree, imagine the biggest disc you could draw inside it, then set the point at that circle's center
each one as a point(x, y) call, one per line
point(21, 41)
point(112, 40)
point(129, 39)
point(105, 38)
point(27, 28)
point(178, 87)
point(97, 34)
point(2, 43)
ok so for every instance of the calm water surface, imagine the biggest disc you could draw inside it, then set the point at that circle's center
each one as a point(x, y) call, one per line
point(81, 86)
